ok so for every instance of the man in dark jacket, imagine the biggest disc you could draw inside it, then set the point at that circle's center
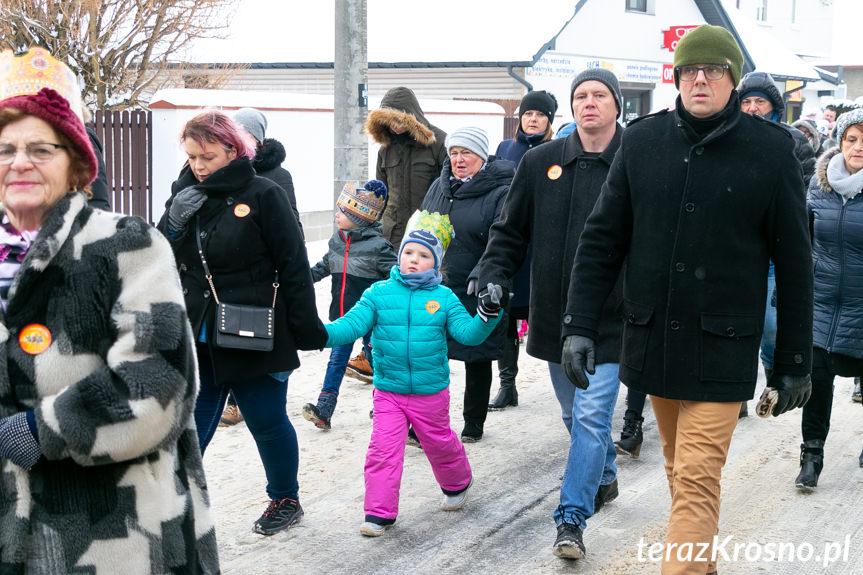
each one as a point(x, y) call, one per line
point(697, 201)
point(759, 96)
point(553, 192)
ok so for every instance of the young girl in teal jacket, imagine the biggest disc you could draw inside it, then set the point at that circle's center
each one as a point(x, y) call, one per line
point(409, 315)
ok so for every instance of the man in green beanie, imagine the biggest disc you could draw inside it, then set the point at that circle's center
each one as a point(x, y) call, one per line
point(697, 202)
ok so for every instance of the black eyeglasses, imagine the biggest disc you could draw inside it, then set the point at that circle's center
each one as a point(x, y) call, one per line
point(37, 152)
point(713, 72)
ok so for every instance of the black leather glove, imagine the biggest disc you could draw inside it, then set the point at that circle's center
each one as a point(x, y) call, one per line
point(471, 286)
point(183, 207)
point(488, 302)
point(17, 442)
point(793, 390)
point(579, 355)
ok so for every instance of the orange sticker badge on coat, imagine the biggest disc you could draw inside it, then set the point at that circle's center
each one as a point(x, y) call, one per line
point(34, 338)
point(554, 172)
point(432, 306)
point(242, 210)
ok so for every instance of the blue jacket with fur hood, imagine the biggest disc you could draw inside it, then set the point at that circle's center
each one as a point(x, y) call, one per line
point(409, 328)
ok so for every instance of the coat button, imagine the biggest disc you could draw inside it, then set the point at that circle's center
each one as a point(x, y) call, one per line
point(203, 235)
point(674, 324)
point(183, 267)
point(730, 332)
point(630, 318)
point(582, 165)
point(699, 151)
point(689, 207)
point(567, 319)
point(229, 200)
point(798, 358)
point(680, 266)
point(685, 160)
point(185, 291)
point(206, 294)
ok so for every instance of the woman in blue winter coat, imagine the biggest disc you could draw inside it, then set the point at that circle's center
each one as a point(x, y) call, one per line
point(836, 223)
point(410, 315)
point(471, 190)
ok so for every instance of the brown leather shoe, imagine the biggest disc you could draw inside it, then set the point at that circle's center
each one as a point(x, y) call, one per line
point(360, 368)
point(231, 415)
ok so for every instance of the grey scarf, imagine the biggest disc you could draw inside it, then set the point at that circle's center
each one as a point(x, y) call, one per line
point(843, 182)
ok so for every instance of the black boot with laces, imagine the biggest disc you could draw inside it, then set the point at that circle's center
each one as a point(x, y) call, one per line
point(281, 514)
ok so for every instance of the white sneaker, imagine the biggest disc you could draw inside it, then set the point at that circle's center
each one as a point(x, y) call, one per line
point(453, 502)
point(370, 529)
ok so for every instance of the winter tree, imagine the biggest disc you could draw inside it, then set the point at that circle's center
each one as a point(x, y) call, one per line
point(123, 50)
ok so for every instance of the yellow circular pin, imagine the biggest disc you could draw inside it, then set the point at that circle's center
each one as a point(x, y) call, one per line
point(242, 210)
point(432, 306)
point(554, 172)
point(34, 338)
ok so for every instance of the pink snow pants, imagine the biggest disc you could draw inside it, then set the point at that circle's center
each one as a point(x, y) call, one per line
point(429, 415)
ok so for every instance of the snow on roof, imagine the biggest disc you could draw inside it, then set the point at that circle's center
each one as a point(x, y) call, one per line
point(766, 52)
point(270, 31)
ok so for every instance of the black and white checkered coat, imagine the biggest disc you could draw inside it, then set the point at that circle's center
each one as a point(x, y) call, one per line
point(121, 487)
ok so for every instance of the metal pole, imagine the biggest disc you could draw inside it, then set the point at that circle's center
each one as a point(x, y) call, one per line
point(350, 89)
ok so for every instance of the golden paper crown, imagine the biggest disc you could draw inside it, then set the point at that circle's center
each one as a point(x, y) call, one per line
point(26, 74)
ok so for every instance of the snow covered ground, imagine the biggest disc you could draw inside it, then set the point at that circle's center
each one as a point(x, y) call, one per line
point(507, 525)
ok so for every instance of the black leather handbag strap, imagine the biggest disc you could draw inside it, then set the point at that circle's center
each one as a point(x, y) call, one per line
point(209, 276)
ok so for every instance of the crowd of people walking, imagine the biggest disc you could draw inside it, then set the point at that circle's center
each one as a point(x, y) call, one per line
point(687, 244)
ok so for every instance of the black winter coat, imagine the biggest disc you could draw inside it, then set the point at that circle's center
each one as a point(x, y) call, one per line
point(268, 164)
point(553, 192)
point(472, 209)
point(249, 232)
point(837, 254)
point(697, 220)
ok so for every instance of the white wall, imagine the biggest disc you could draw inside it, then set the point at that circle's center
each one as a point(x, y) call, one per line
point(303, 123)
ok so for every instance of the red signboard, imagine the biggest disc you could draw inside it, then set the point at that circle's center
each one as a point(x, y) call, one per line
point(667, 74)
point(672, 36)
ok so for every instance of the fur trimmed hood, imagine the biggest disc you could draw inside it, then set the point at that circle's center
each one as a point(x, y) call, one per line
point(270, 155)
point(400, 110)
point(821, 168)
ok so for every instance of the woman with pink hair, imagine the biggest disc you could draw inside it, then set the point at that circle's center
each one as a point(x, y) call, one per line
point(236, 240)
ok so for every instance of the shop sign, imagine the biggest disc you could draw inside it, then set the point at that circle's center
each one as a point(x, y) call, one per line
point(672, 36)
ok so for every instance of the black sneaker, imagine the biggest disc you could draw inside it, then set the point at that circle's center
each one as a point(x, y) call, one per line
point(604, 494)
point(569, 544)
point(281, 514)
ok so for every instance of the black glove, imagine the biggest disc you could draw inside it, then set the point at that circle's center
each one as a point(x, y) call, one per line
point(488, 302)
point(471, 286)
point(184, 206)
point(578, 356)
point(18, 444)
point(794, 391)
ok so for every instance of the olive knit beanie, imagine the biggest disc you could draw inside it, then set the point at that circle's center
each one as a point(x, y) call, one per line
point(708, 45)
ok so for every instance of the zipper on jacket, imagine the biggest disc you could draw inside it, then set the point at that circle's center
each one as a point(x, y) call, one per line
point(344, 273)
point(839, 236)
point(408, 358)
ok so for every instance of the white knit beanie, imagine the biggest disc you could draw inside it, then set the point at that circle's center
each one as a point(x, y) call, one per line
point(472, 138)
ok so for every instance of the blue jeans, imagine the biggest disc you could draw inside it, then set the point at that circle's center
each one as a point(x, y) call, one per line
point(339, 358)
point(587, 415)
point(262, 402)
point(768, 338)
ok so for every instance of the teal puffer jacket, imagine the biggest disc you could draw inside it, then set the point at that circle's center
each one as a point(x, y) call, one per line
point(409, 330)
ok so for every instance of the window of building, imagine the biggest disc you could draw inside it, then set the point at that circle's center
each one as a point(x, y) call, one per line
point(636, 5)
point(761, 11)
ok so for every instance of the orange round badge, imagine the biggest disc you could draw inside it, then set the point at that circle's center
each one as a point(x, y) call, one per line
point(34, 338)
point(242, 210)
point(554, 172)
point(432, 306)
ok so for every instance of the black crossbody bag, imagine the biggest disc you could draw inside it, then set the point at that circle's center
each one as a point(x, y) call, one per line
point(238, 326)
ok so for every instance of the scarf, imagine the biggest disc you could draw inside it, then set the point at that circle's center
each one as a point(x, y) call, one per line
point(841, 180)
point(13, 248)
point(422, 280)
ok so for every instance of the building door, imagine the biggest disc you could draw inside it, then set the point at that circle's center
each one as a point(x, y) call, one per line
point(635, 103)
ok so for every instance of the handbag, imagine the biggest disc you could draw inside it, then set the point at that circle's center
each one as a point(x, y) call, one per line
point(239, 326)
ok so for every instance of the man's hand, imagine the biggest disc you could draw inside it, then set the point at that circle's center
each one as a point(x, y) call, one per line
point(578, 356)
point(793, 391)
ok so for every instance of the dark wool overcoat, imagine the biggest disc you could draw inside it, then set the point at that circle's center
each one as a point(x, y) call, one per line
point(268, 164)
point(553, 192)
point(249, 232)
point(697, 221)
point(408, 161)
point(472, 209)
point(837, 254)
point(120, 487)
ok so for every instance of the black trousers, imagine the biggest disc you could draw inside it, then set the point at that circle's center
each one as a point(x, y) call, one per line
point(825, 367)
point(476, 391)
